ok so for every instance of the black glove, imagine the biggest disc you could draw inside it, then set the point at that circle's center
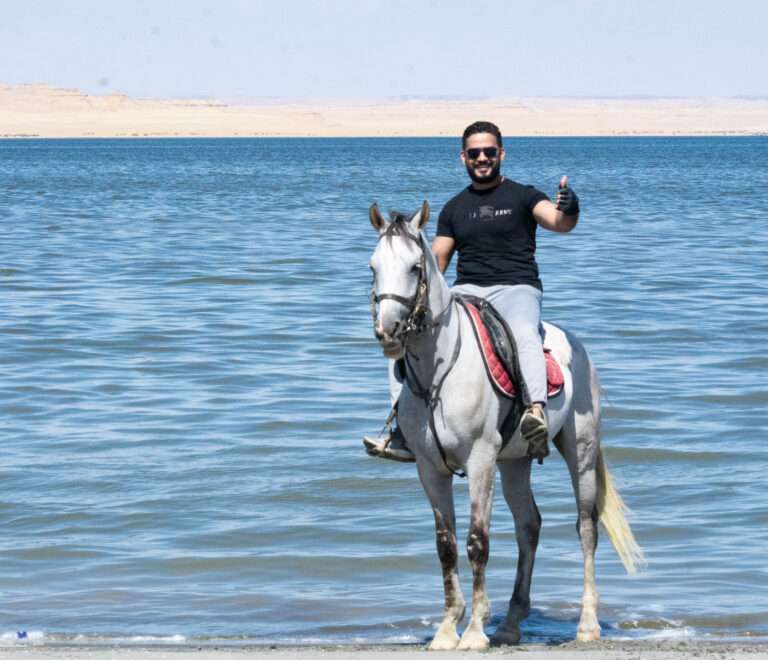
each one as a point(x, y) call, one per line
point(567, 201)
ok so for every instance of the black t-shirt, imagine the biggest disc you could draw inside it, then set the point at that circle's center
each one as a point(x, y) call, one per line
point(495, 234)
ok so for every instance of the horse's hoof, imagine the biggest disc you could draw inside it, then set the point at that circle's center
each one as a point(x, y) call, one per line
point(444, 643)
point(473, 640)
point(506, 636)
point(589, 627)
point(591, 635)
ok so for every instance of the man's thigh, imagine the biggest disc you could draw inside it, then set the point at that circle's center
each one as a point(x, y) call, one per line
point(518, 305)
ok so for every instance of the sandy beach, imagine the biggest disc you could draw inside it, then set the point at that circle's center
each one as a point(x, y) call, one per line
point(572, 651)
point(42, 111)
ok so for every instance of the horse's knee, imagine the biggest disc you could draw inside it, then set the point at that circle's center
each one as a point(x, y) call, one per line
point(478, 545)
point(446, 548)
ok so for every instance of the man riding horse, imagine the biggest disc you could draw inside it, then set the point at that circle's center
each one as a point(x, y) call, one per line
point(492, 224)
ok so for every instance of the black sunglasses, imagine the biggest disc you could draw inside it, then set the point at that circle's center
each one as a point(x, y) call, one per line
point(490, 152)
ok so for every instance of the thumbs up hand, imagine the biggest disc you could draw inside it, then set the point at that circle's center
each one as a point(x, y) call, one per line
point(567, 201)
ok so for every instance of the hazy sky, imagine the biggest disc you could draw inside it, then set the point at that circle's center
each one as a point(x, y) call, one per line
point(379, 49)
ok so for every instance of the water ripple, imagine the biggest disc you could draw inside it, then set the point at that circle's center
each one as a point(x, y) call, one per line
point(189, 367)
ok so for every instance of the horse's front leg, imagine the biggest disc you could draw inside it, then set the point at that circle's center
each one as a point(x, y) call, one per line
point(481, 472)
point(439, 490)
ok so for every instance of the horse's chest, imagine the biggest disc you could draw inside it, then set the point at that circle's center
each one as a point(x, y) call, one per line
point(455, 418)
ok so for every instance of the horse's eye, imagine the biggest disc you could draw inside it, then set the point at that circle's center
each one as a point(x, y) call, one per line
point(416, 268)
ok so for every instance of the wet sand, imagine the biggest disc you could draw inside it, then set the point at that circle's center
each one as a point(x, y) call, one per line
point(43, 111)
point(596, 651)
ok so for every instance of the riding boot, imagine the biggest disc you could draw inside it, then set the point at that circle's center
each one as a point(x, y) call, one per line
point(392, 447)
point(533, 428)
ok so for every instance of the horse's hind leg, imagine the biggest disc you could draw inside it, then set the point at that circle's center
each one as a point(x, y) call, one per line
point(580, 442)
point(516, 485)
point(439, 490)
point(481, 473)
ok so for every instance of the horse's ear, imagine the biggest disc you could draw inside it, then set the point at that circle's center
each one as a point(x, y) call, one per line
point(379, 223)
point(419, 221)
point(424, 214)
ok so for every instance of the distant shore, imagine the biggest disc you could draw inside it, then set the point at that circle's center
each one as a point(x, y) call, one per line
point(572, 651)
point(42, 111)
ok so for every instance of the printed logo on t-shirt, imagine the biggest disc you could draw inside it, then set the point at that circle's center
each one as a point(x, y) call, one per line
point(488, 213)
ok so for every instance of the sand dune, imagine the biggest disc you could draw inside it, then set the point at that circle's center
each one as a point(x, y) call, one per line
point(43, 111)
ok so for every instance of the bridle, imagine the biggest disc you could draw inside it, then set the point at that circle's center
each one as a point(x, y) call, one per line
point(415, 323)
point(417, 304)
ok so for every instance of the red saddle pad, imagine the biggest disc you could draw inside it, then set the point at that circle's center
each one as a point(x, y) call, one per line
point(499, 376)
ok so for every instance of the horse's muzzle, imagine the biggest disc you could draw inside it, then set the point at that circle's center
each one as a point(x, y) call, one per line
point(393, 351)
point(392, 347)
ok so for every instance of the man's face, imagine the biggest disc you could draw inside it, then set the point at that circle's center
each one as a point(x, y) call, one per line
point(482, 157)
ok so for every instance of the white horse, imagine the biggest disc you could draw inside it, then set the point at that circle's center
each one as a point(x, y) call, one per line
point(450, 415)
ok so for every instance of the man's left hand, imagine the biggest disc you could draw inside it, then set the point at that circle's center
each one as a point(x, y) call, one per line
point(567, 201)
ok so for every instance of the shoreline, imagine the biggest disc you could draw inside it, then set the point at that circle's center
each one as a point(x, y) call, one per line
point(605, 650)
point(41, 111)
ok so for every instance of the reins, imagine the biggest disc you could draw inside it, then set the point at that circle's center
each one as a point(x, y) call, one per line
point(431, 395)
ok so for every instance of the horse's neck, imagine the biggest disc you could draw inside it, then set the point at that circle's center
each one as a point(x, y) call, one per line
point(439, 291)
point(430, 353)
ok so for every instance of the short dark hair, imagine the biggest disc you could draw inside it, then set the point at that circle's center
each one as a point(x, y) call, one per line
point(481, 127)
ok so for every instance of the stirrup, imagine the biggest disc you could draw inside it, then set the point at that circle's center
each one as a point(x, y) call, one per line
point(534, 431)
point(392, 447)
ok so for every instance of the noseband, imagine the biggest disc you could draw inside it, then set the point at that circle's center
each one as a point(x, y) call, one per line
point(417, 304)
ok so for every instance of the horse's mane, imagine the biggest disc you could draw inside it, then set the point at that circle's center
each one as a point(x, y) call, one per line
point(399, 226)
point(397, 216)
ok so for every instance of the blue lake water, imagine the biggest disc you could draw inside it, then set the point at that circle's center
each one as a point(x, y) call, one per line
point(188, 367)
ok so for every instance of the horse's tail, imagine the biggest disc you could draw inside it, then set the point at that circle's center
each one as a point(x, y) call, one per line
point(611, 508)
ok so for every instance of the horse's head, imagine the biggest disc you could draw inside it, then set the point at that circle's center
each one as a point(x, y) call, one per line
point(399, 298)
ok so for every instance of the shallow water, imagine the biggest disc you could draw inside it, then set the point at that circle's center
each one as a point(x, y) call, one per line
point(189, 367)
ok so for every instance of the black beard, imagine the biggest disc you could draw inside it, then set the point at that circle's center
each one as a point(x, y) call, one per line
point(485, 179)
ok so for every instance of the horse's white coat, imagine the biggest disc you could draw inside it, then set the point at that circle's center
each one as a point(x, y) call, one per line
point(466, 420)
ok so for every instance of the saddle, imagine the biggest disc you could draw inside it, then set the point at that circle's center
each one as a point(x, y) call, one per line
point(499, 352)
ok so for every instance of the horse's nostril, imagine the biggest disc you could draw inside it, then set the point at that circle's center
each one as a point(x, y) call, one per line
point(378, 331)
